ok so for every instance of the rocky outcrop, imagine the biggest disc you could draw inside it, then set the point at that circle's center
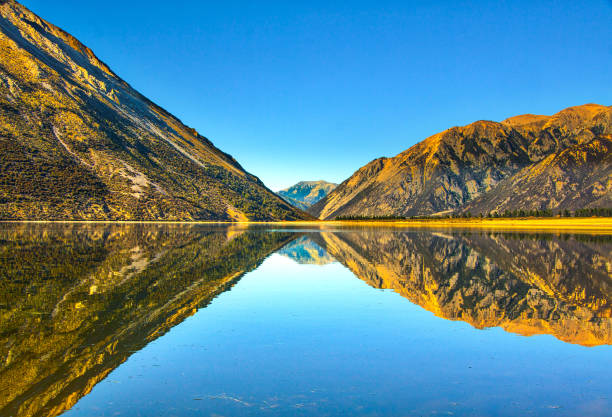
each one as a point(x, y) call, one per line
point(77, 142)
point(575, 178)
point(488, 163)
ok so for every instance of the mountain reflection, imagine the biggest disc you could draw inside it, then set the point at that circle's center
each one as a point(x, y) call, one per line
point(76, 301)
point(526, 284)
point(306, 252)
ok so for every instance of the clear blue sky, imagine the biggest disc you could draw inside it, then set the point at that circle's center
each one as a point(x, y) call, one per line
point(315, 89)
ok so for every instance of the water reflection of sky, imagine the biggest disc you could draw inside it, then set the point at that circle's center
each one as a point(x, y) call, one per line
point(293, 339)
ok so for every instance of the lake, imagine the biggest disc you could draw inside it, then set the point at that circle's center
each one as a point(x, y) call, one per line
point(195, 320)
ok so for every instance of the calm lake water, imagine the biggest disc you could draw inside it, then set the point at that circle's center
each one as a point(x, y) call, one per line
point(187, 320)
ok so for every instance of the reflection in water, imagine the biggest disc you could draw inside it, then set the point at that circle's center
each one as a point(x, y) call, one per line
point(525, 284)
point(305, 251)
point(77, 300)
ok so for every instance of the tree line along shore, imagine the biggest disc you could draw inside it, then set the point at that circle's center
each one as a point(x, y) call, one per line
point(507, 214)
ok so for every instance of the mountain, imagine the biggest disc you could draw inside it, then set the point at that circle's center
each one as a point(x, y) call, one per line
point(111, 290)
point(77, 142)
point(525, 162)
point(306, 193)
point(577, 177)
point(526, 285)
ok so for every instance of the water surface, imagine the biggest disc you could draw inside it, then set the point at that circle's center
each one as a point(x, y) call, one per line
point(186, 320)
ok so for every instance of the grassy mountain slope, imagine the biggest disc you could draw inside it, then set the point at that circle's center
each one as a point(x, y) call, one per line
point(77, 142)
point(449, 170)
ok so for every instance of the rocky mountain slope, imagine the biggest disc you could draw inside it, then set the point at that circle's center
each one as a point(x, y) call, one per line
point(77, 142)
point(525, 162)
point(306, 193)
point(574, 178)
point(523, 284)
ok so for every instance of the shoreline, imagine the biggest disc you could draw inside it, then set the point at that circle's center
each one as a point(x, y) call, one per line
point(557, 223)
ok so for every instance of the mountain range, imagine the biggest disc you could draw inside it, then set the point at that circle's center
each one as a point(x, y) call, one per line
point(306, 193)
point(527, 162)
point(78, 142)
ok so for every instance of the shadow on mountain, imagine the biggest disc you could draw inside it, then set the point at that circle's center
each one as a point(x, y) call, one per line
point(524, 283)
point(76, 301)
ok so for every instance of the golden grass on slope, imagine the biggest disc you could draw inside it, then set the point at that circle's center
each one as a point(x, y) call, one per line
point(566, 224)
point(597, 224)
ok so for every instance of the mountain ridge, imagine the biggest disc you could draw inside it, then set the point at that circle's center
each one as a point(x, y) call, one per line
point(448, 170)
point(82, 144)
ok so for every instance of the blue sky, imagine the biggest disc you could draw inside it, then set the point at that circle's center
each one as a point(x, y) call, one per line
point(315, 89)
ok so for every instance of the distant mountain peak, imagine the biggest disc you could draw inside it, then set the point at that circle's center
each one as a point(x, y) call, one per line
point(306, 193)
